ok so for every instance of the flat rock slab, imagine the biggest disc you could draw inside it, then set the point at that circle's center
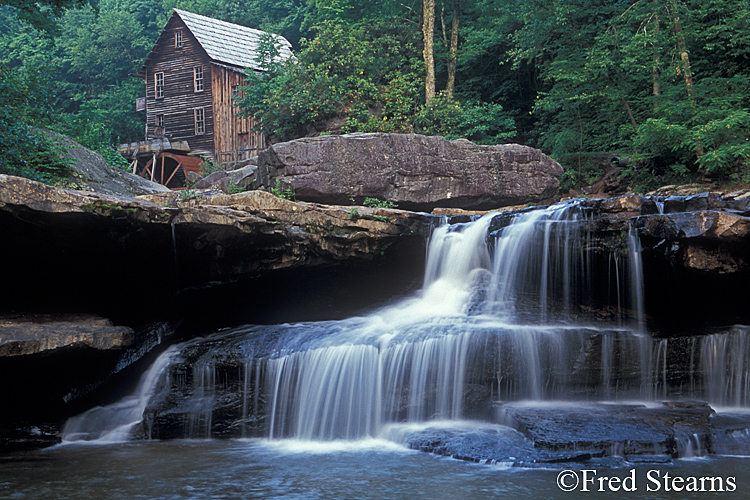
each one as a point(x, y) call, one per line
point(491, 444)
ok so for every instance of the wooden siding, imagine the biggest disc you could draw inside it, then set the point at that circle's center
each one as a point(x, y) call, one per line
point(232, 133)
point(180, 98)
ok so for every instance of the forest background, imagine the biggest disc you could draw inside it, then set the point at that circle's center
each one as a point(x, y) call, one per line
point(665, 83)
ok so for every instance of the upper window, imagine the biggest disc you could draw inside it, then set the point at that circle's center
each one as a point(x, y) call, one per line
point(158, 85)
point(198, 77)
point(200, 121)
point(178, 39)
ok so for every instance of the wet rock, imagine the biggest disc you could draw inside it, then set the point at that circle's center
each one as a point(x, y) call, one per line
point(678, 190)
point(609, 429)
point(629, 203)
point(416, 172)
point(482, 442)
point(460, 212)
point(740, 194)
point(710, 241)
point(29, 438)
point(213, 390)
point(730, 434)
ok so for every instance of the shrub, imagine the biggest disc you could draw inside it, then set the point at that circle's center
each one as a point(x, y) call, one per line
point(282, 191)
point(483, 123)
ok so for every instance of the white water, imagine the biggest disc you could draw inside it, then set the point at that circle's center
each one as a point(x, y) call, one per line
point(116, 422)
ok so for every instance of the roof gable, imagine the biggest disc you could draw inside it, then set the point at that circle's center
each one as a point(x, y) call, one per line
point(229, 43)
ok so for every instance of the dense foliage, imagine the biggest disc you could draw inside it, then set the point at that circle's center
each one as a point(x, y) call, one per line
point(27, 152)
point(662, 82)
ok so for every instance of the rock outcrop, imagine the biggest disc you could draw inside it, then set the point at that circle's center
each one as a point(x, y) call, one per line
point(82, 251)
point(91, 172)
point(65, 246)
point(594, 433)
point(415, 171)
point(226, 180)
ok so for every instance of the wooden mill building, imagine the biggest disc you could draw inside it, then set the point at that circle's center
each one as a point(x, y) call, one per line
point(193, 75)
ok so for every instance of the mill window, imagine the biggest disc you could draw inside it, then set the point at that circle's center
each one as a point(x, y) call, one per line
point(200, 121)
point(198, 74)
point(159, 85)
point(178, 39)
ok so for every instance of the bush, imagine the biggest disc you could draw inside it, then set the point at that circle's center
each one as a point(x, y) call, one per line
point(208, 167)
point(483, 123)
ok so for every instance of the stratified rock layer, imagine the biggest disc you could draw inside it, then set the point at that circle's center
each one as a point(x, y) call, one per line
point(21, 336)
point(60, 244)
point(417, 172)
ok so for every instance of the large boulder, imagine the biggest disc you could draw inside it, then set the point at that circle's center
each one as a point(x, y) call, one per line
point(415, 171)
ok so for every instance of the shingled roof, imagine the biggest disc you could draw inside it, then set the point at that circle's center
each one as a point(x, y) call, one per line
point(228, 43)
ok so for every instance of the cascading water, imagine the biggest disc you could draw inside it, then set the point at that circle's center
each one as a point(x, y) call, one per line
point(116, 422)
point(533, 306)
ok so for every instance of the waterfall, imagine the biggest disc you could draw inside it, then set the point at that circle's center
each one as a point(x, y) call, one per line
point(530, 306)
point(495, 311)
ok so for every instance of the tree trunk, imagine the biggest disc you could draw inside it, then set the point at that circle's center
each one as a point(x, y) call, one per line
point(630, 113)
point(453, 50)
point(685, 58)
point(686, 69)
point(428, 29)
point(655, 72)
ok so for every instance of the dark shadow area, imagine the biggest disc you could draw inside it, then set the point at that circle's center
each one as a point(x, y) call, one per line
point(681, 301)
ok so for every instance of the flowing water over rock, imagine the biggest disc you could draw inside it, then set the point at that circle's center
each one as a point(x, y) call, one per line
point(532, 325)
